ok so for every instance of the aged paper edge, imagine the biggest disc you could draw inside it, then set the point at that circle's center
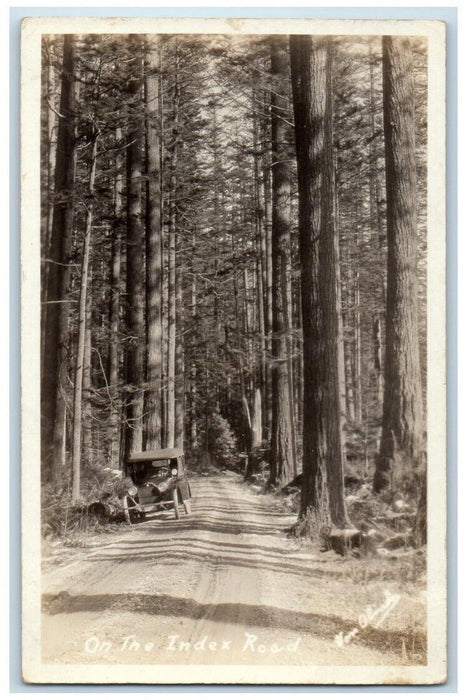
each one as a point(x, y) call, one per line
point(33, 670)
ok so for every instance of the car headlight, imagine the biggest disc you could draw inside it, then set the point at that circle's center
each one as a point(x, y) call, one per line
point(132, 491)
point(174, 471)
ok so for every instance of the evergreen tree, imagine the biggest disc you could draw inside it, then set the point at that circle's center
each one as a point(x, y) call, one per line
point(401, 441)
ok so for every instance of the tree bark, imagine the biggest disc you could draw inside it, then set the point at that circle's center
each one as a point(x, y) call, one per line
point(175, 348)
point(340, 290)
point(171, 331)
point(402, 434)
point(55, 316)
point(260, 263)
point(378, 356)
point(282, 449)
point(87, 378)
point(48, 160)
point(377, 235)
point(135, 263)
point(153, 247)
point(331, 309)
point(420, 524)
point(114, 312)
point(349, 382)
point(256, 423)
point(357, 346)
point(179, 428)
point(247, 333)
point(307, 68)
point(323, 457)
point(238, 329)
point(266, 259)
point(193, 371)
point(80, 349)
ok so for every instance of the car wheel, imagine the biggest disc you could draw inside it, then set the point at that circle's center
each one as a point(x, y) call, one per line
point(126, 511)
point(176, 506)
point(133, 517)
point(187, 505)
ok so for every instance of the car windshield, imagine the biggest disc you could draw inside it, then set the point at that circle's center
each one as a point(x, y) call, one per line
point(144, 471)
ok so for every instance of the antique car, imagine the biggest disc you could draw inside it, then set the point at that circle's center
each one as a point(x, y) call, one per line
point(156, 481)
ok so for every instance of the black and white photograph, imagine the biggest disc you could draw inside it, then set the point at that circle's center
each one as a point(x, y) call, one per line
point(233, 347)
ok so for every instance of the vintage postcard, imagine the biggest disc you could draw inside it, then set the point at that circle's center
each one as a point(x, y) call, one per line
point(233, 351)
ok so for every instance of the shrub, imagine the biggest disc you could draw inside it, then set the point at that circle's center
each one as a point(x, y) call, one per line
point(61, 517)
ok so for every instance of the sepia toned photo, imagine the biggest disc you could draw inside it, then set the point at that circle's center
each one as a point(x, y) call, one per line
point(233, 348)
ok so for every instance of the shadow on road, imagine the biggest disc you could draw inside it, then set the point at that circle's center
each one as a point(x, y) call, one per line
point(254, 616)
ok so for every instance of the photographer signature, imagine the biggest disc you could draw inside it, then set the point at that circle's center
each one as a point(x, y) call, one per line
point(372, 614)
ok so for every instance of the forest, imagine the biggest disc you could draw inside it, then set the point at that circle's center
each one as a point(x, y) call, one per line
point(233, 262)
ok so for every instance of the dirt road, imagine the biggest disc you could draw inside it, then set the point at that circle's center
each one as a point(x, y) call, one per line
point(223, 586)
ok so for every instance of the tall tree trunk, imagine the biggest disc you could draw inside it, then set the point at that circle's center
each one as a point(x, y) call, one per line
point(377, 234)
point(48, 162)
point(378, 355)
point(114, 311)
point(260, 263)
point(171, 344)
point(307, 60)
point(87, 380)
point(402, 435)
point(256, 424)
point(266, 258)
point(153, 246)
point(56, 309)
point(135, 264)
point(253, 427)
point(262, 375)
point(341, 348)
point(248, 328)
point(349, 382)
point(175, 351)
point(298, 362)
point(80, 349)
point(357, 347)
point(179, 432)
point(331, 309)
point(420, 524)
point(323, 457)
point(238, 329)
point(193, 372)
point(165, 353)
point(287, 305)
point(282, 449)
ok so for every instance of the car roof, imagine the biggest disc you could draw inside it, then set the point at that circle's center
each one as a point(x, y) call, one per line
point(169, 453)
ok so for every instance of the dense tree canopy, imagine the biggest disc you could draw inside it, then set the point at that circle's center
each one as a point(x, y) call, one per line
point(196, 282)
